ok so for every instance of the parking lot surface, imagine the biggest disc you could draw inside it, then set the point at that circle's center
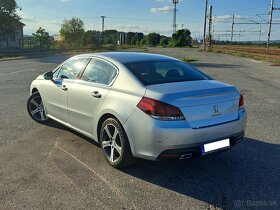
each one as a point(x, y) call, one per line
point(52, 167)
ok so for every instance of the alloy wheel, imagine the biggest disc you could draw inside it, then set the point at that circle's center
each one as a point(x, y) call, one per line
point(111, 143)
point(36, 108)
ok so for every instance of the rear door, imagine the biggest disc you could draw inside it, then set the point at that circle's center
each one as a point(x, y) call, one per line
point(87, 94)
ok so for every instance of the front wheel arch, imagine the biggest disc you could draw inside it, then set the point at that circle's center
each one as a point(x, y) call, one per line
point(36, 109)
point(34, 90)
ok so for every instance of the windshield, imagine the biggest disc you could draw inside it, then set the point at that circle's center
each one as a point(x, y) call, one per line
point(158, 72)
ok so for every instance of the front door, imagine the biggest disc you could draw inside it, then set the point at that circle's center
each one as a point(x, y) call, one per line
point(55, 93)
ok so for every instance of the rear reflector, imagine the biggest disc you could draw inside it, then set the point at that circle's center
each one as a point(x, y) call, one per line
point(160, 110)
point(241, 100)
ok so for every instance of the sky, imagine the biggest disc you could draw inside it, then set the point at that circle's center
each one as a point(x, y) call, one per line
point(153, 16)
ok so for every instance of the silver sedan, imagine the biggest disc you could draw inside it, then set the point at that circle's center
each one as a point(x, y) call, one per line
point(139, 105)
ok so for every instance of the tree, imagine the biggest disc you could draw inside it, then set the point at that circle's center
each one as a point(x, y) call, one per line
point(111, 36)
point(73, 31)
point(92, 38)
point(132, 38)
point(88, 38)
point(153, 39)
point(181, 38)
point(129, 37)
point(8, 16)
point(43, 37)
point(142, 42)
point(164, 41)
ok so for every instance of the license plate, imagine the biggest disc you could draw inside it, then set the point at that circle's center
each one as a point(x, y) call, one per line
point(214, 146)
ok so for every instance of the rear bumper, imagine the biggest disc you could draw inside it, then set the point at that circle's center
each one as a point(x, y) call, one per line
point(195, 151)
point(150, 138)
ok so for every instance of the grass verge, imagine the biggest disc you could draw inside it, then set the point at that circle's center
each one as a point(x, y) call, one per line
point(189, 59)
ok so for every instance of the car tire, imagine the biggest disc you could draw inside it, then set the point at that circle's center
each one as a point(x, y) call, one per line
point(35, 108)
point(115, 145)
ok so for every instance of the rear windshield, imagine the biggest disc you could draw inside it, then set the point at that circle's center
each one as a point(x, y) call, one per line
point(158, 72)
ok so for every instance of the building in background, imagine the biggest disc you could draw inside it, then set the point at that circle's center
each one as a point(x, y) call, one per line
point(13, 40)
point(122, 38)
point(57, 38)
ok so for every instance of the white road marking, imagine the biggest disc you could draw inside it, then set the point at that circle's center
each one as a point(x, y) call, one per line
point(255, 61)
point(120, 195)
point(14, 72)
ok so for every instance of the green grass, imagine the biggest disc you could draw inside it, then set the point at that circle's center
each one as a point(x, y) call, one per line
point(189, 59)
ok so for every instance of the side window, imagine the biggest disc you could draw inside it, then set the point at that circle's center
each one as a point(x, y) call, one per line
point(70, 69)
point(99, 71)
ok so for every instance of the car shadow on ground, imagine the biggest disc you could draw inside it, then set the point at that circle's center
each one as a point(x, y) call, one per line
point(247, 174)
point(59, 126)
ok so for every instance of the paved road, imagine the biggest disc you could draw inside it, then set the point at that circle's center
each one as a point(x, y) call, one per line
point(52, 167)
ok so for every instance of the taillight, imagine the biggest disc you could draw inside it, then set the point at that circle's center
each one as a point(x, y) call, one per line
point(160, 110)
point(241, 100)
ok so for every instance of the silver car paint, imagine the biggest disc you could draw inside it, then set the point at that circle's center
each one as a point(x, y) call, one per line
point(148, 137)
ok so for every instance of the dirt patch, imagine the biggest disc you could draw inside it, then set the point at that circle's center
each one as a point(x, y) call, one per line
point(258, 53)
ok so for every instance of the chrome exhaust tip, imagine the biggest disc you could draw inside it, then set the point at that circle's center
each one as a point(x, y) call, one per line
point(186, 156)
point(238, 141)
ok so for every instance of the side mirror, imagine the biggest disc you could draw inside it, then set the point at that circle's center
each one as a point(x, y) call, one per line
point(48, 75)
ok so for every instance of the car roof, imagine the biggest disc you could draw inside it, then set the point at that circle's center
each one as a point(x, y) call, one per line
point(129, 57)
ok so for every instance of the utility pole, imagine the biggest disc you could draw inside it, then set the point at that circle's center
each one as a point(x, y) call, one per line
point(239, 36)
point(260, 34)
point(272, 8)
point(205, 20)
point(175, 2)
point(213, 33)
point(269, 27)
point(103, 18)
point(210, 29)
point(232, 26)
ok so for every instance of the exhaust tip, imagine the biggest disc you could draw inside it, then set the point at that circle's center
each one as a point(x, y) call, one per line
point(186, 156)
point(239, 140)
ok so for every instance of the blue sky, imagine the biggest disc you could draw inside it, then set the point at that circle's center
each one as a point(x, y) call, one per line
point(151, 16)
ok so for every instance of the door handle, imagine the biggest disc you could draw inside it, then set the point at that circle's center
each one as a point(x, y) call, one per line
point(64, 87)
point(96, 94)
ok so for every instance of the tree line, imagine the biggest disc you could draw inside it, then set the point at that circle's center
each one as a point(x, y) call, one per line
point(74, 34)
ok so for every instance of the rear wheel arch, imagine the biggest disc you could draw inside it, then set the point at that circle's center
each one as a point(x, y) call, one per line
point(124, 154)
point(102, 120)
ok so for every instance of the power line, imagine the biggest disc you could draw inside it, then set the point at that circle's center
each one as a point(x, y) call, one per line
point(237, 11)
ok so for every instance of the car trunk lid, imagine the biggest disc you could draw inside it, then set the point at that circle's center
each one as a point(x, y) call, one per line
point(203, 103)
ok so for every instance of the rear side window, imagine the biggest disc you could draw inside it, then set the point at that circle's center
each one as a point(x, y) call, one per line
point(158, 72)
point(70, 69)
point(99, 71)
